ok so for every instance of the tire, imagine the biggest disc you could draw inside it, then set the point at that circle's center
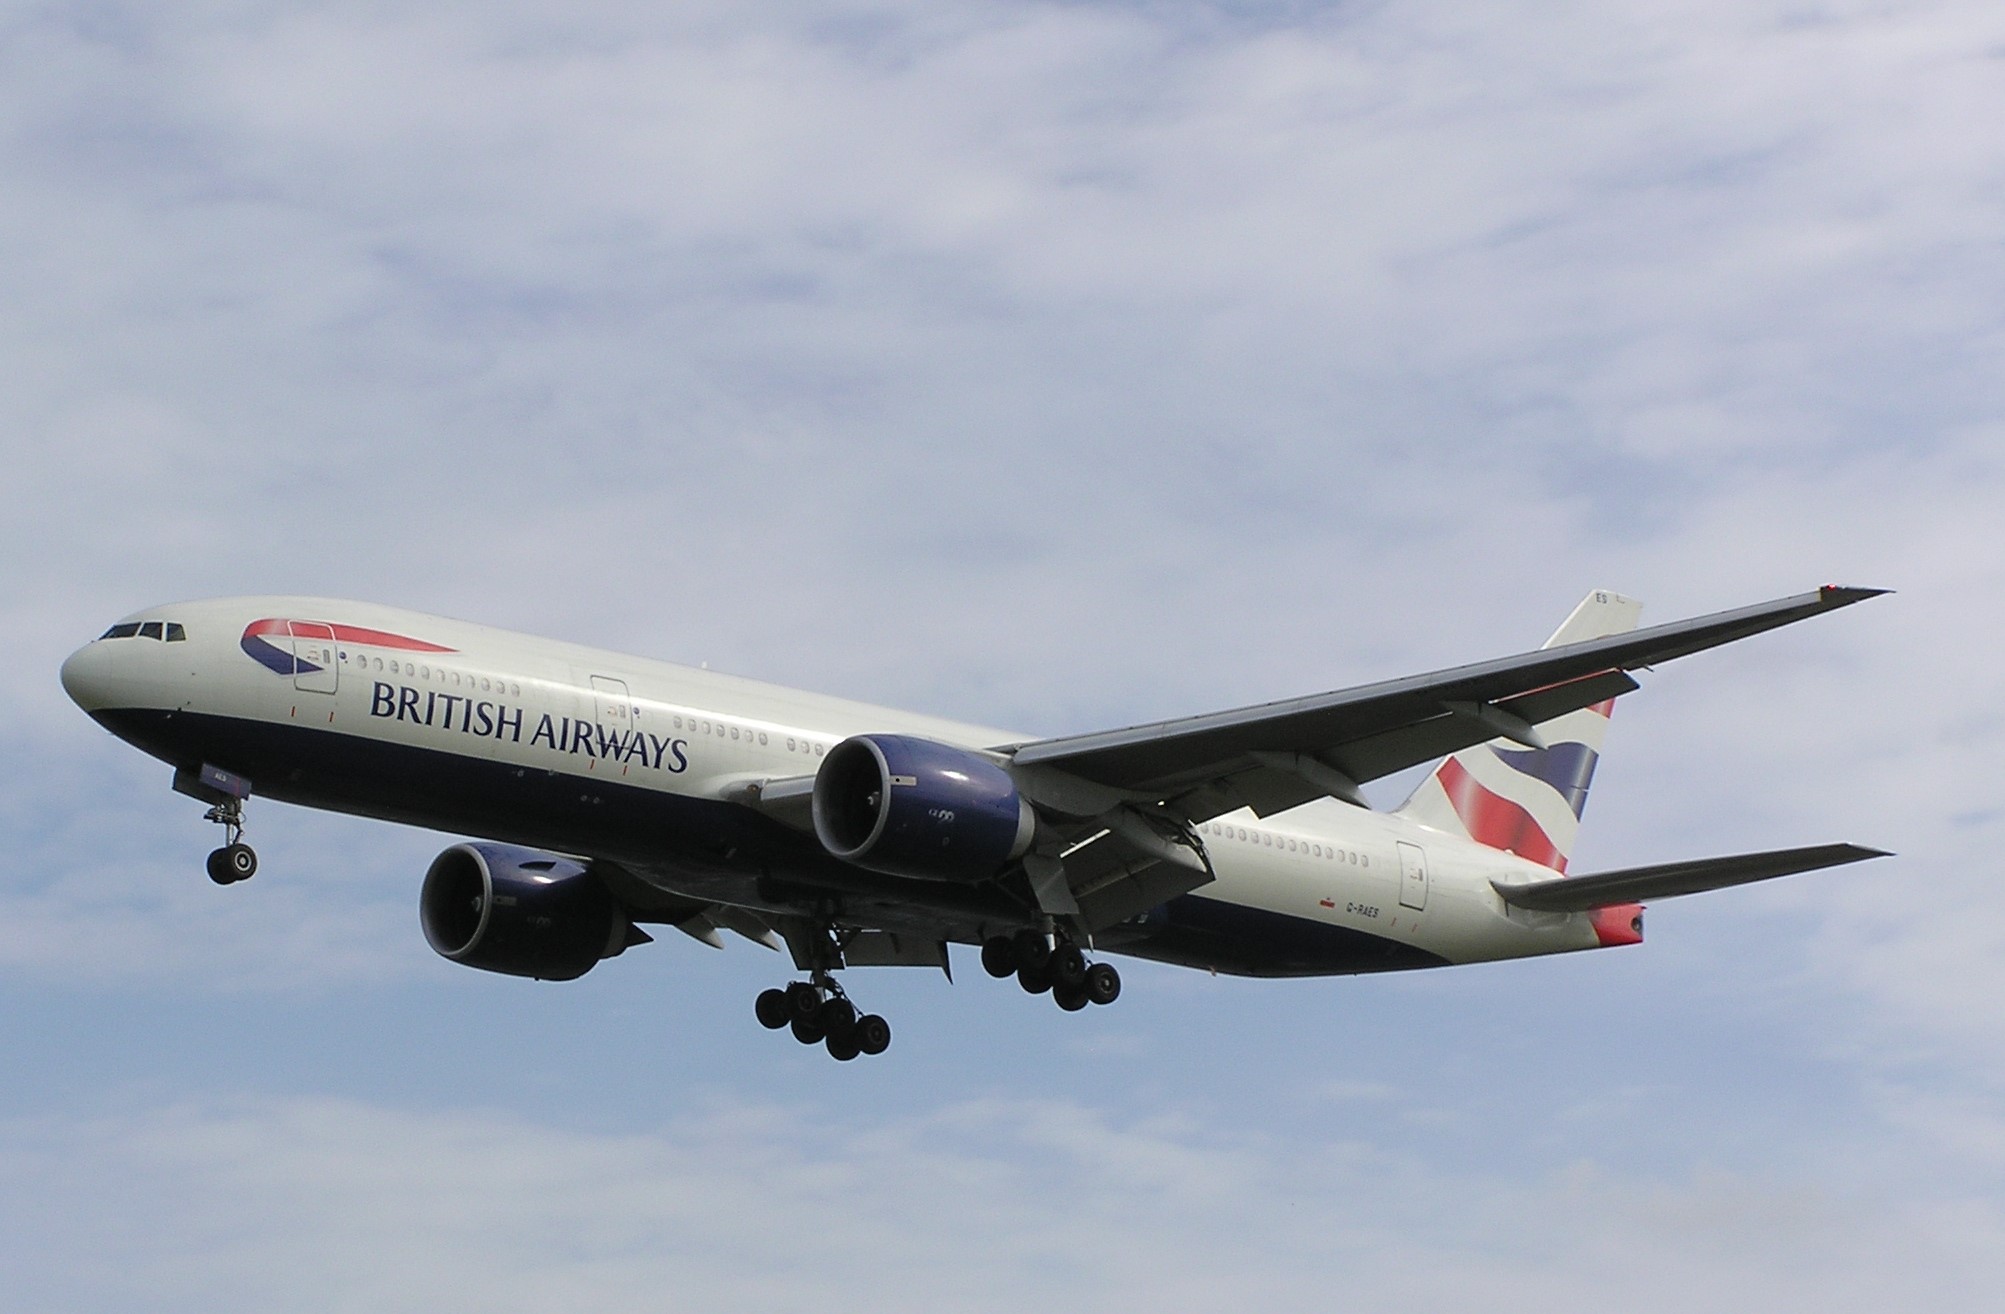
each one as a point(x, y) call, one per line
point(1068, 967)
point(773, 1009)
point(837, 1017)
point(807, 1031)
point(805, 1001)
point(242, 861)
point(843, 1047)
point(219, 867)
point(873, 1034)
point(1103, 983)
point(1032, 951)
point(998, 956)
point(1069, 998)
point(1036, 982)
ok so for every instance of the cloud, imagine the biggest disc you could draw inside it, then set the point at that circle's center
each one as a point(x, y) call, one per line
point(326, 1204)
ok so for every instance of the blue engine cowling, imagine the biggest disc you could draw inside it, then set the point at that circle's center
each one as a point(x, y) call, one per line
point(504, 909)
point(913, 807)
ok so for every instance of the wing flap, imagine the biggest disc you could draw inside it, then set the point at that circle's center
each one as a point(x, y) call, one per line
point(1671, 879)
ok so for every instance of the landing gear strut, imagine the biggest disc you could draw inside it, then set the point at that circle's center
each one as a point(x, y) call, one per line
point(1061, 967)
point(819, 1013)
point(236, 860)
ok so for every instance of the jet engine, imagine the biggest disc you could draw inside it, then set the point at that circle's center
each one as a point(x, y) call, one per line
point(912, 807)
point(520, 912)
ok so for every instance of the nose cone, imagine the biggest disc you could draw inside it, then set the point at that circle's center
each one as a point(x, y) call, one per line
point(89, 678)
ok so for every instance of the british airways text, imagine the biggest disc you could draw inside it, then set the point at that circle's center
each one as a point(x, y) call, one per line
point(489, 720)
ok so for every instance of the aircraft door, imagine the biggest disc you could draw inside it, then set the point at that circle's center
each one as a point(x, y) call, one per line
point(1412, 876)
point(612, 704)
point(314, 657)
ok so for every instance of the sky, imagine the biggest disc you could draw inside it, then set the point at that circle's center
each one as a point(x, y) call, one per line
point(1054, 366)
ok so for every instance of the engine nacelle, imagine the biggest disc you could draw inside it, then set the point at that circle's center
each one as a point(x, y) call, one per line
point(504, 909)
point(913, 807)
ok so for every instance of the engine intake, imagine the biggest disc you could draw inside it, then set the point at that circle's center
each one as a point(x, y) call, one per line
point(912, 807)
point(520, 912)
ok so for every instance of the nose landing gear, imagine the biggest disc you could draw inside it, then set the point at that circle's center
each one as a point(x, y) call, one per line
point(819, 1013)
point(225, 793)
point(236, 860)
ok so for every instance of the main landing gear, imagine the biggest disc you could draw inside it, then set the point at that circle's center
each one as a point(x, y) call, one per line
point(819, 1013)
point(236, 860)
point(1040, 964)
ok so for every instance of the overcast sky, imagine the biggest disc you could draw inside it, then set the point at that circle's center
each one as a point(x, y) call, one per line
point(1051, 366)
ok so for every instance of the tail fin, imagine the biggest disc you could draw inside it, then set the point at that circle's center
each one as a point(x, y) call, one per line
point(1529, 801)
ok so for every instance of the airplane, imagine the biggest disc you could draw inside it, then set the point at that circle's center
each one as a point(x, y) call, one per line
point(610, 792)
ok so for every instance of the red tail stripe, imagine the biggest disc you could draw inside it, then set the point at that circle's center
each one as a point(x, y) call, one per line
point(1494, 820)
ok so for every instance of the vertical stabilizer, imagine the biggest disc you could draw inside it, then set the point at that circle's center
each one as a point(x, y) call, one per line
point(1529, 801)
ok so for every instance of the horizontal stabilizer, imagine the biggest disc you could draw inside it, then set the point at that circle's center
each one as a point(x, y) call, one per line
point(1642, 884)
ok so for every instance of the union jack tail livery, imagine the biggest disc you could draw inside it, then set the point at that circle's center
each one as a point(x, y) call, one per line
point(1528, 801)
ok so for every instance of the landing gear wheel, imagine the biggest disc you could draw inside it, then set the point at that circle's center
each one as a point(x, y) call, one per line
point(873, 1034)
point(773, 1009)
point(843, 1046)
point(805, 1001)
point(1103, 983)
point(999, 956)
point(232, 863)
point(1035, 981)
point(837, 1018)
point(1069, 998)
point(808, 1031)
point(1032, 951)
point(1068, 967)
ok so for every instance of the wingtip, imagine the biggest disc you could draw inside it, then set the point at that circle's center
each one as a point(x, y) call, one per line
point(1844, 595)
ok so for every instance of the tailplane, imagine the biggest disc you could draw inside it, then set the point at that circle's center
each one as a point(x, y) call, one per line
point(1523, 800)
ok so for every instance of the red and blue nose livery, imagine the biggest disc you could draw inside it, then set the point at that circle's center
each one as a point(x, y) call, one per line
point(286, 656)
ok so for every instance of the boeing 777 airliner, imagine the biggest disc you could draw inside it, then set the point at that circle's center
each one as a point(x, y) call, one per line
point(610, 792)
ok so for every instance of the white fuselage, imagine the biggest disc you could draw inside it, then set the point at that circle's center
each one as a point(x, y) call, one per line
point(645, 764)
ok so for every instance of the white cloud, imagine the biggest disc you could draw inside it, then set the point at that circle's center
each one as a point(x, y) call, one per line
point(329, 1204)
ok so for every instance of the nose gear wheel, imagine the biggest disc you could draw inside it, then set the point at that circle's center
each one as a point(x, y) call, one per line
point(236, 860)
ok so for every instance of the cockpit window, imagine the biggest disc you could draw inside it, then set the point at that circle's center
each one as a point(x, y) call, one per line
point(171, 631)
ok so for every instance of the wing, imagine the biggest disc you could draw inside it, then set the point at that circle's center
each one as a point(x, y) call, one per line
point(1275, 756)
point(1116, 809)
point(1639, 884)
